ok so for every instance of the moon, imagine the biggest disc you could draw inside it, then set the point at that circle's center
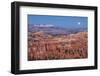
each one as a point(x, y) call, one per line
point(79, 23)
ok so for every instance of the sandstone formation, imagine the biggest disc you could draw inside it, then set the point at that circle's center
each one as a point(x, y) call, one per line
point(42, 46)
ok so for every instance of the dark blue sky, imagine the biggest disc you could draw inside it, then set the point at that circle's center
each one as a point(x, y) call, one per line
point(59, 21)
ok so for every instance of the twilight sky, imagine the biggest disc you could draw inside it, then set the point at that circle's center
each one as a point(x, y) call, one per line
point(59, 21)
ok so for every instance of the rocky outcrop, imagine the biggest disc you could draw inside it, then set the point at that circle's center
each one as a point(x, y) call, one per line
point(42, 46)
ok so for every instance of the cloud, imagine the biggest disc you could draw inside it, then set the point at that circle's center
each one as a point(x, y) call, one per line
point(43, 25)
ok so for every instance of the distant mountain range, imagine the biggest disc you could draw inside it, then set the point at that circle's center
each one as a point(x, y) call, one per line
point(51, 29)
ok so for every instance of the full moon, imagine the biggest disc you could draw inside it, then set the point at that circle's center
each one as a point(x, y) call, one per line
point(78, 23)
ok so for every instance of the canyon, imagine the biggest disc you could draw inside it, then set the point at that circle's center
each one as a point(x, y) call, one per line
point(46, 46)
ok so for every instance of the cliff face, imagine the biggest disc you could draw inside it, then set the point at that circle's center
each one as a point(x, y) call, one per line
point(42, 46)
